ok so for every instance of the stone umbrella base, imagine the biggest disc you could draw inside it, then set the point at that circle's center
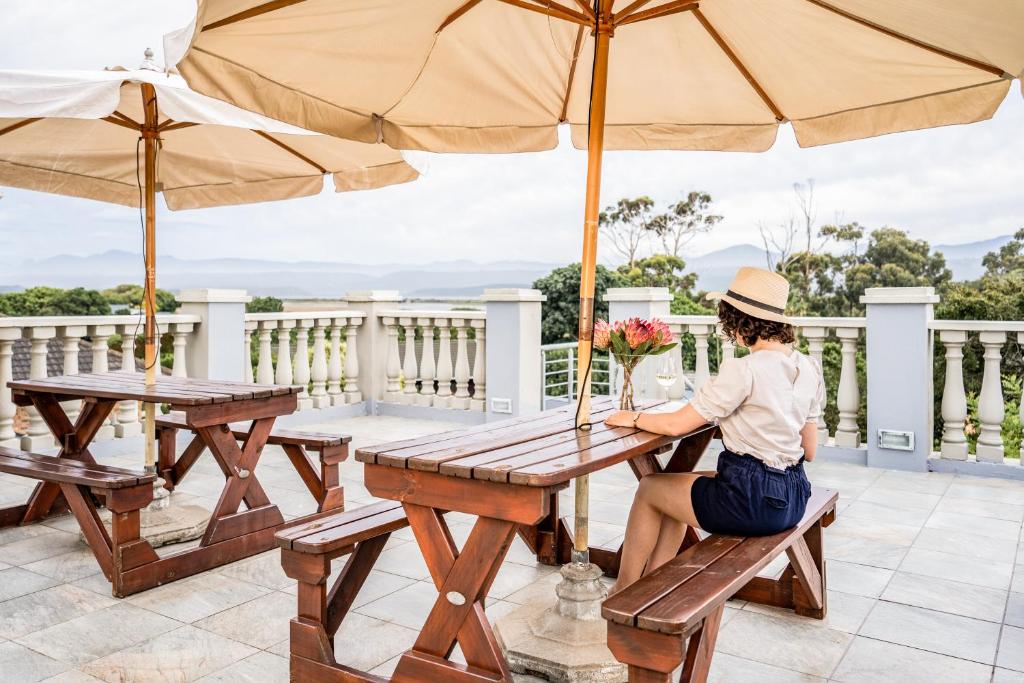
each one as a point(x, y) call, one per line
point(565, 641)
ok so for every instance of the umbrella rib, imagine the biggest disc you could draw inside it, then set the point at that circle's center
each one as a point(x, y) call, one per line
point(628, 10)
point(586, 8)
point(176, 125)
point(572, 73)
point(126, 119)
point(665, 10)
point(290, 150)
point(552, 9)
point(462, 9)
point(251, 12)
point(121, 122)
point(738, 63)
point(907, 39)
point(15, 126)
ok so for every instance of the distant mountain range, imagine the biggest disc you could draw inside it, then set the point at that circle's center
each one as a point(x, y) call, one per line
point(325, 279)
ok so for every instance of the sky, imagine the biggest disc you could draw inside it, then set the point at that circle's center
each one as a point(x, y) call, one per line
point(949, 185)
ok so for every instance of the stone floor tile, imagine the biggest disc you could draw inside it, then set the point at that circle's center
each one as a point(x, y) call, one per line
point(1015, 610)
point(261, 622)
point(857, 579)
point(72, 676)
point(1011, 649)
point(875, 661)
point(19, 664)
point(17, 581)
point(1007, 676)
point(364, 642)
point(726, 668)
point(263, 570)
point(981, 508)
point(976, 490)
point(63, 523)
point(967, 544)
point(917, 482)
point(197, 596)
point(846, 612)
point(1020, 553)
point(514, 577)
point(542, 589)
point(904, 500)
point(98, 633)
point(387, 669)
point(405, 560)
point(70, 566)
point(801, 646)
point(185, 654)
point(261, 667)
point(46, 608)
point(957, 568)
point(407, 606)
point(983, 526)
point(942, 595)
point(851, 547)
point(946, 634)
point(48, 543)
point(1017, 585)
point(886, 511)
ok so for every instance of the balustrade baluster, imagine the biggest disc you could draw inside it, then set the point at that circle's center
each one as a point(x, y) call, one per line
point(479, 401)
point(128, 411)
point(728, 346)
point(100, 335)
point(38, 434)
point(409, 368)
point(318, 372)
point(427, 365)
point(678, 388)
point(8, 438)
point(1020, 342)
point(181, 331)
point(848, 397)
point(991, 409)
point(301, 364)
point(352, 392)
point(283, 373)
point(334, 394)
point(460, 400)
point(393, 368)
point(444, 364)
point(265, 363)
point(71, 336)
point(247, 371)
point(954, 400)
point(815, 348)
point(702, 366)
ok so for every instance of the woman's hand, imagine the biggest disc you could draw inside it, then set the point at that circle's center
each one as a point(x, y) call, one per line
point(622, 418)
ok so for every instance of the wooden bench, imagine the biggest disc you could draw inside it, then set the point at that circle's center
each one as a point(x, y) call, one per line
point(306, 554)
point(324, 482)
point(124, 493)
point(650, 621)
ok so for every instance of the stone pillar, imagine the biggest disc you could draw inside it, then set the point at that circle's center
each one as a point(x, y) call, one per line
point(899, 372)
point(371, 345)
point(646, 303)
point(215, 350)
point(513, 360)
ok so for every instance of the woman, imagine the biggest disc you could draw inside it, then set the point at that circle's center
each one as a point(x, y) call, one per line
point(766, 404)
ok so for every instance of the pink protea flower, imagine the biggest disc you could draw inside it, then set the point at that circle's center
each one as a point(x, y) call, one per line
point(662, 334)
point(602, 335)
point(637, 332)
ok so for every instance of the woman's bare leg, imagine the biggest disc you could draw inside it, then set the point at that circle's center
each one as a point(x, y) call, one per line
point(658, 494)
point(670, 537)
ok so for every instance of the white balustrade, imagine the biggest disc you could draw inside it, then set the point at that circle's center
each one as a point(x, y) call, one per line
point(815, 337)
point(479, 401)
point(100, 335)
point(8, 437)
point(247, 373)
point(71, 336)
point(394, 363)
point(460, 400)
point(444, 364)
point(265, 367)
point(848, 395)
point(180, 333)
point(410, 372)
point(428, 367)
point(954, 400)
point(301, 369)
point(352, 392)
point(334, 366)
point(318, 371)
point(128, 411)
point(38, 434)
point(283, 372)
point(991, 409)
point(702, 366)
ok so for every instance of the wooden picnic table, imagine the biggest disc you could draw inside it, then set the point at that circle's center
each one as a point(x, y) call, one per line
point(508, 474)
point(208, 407)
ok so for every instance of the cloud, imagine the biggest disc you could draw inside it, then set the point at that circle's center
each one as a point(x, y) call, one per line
point(948, 185)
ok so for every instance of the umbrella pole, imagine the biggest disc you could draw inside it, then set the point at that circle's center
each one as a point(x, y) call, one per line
point(150, 134)
point(588, 271)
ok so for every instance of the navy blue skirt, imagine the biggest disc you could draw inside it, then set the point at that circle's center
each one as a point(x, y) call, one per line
point(749, 498)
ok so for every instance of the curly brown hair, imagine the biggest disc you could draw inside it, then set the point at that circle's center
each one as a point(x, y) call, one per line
point(743, 326)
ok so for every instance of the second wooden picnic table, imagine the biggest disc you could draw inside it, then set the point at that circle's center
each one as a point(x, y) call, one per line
point(508, 474)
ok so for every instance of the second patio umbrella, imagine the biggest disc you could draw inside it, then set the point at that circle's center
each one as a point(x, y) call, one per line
point(122, 136)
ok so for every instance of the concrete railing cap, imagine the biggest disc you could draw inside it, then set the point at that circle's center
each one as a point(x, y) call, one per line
point(512, 294)
point(637, 294)
point(900, 295)
point(213, 296)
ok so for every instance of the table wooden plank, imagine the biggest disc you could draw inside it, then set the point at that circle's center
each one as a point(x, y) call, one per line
point(179, 391)
point(111, 382)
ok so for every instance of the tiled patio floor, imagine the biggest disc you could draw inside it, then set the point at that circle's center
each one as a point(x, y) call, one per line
point(926, 583)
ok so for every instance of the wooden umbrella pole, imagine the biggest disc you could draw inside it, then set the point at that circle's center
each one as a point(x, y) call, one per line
point(588, 271)
point(150, 137)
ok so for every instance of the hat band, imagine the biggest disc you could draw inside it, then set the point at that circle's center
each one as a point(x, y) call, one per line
point(755, 303)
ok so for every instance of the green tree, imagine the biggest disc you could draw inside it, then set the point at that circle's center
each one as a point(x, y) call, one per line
point(683, 221)
point(130, 295)
point(1009, 259)
point(264, 304)
point(627, 224)
point(53, 301)
point(561, 286)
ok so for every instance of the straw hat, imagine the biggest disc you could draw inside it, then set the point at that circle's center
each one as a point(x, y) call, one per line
point(757, 292)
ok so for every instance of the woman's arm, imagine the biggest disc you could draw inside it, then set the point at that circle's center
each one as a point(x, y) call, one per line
point(678, 423)
point(809, 440)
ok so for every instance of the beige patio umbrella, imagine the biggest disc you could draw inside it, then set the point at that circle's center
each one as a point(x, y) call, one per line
point(122, 136)
point(502, 75)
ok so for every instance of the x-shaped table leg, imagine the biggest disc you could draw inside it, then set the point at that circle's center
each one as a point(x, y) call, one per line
point(74, 443)
point(462, 579)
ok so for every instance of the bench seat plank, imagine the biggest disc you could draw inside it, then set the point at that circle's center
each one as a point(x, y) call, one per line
point(313, 441)
point(344, 529)
point(69, 471)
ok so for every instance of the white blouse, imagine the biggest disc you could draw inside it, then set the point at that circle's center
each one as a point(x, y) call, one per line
point(761, 402)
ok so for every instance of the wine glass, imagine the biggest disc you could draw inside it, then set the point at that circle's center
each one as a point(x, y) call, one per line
point(667, 372)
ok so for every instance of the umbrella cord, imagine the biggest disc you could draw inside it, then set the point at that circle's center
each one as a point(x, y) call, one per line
point(593, 318)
